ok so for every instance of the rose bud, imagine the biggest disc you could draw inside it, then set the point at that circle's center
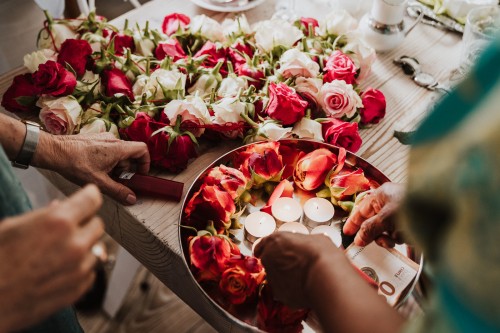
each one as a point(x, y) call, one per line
point(60, 115)
point(229, 179)
point(347, 183)
point(341, 133)
point(141, 128)
point(116, 82)
point(208, 256)
point(171, 154)
point(339, 99)
point(53, 79)
point(374, 106)
point(121, 42)
point(237, 53)
point(285, 104)
point(261, 162)
point(172, 22)
point(214, 53)
point(241, 279)
point(256, 76)
point(22, 88)
point(210, 203)
point(171, 48)
point(306, 22)
point(312, 169)
point(76, 53)
point(340, 67)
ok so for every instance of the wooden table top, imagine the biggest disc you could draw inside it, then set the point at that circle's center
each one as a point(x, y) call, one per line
point(149, 230)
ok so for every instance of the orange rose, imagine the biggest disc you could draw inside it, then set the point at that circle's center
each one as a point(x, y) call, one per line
point(229, 179)
point(210, 203)
point(311, 170)
point(261, 162)
point(209, 254)
point(241, 279)
point(347, 183)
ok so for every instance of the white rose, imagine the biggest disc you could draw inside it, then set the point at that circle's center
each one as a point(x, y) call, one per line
point(96, 41)
point(35, 59)
point(173, 82)
point(236, 27)
point(360, 53)
point(204, 85)
point(339, 22)
point(143, 46)
point(88, 81)
point(92, 111)
point(192, 109)
point(228, 110)
point(60, 32)
point(309, 87)
point(98, 125)
point(270, 130)
point(308, 128)
point(207, 27)
point(338, 98)
point(296, 63)
point(272, 33)
point(231, 86)
point(60, 115)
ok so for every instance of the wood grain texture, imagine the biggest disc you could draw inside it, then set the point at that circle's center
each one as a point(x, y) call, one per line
point(149, 230)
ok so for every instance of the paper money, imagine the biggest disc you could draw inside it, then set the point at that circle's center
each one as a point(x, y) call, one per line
point(392, 271)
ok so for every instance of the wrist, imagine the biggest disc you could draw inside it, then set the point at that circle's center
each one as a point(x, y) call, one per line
point(49, 150)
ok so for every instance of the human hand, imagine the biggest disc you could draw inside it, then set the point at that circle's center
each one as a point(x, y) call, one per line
point(373, 217)
point(85, 159)
point(290, 261)
point(46, 261)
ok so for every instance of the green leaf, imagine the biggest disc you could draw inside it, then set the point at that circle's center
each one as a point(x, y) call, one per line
point(26, 100)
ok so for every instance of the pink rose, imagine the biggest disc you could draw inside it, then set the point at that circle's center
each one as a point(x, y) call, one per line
point(172, 22)
point(338, 99)
point(285, 105)
point(237, 51)
point(373, 106)
point(60, 115)
point(171, 48)
point(53, 79)
point(76, 53)
point(340, 67)
point(342, 134)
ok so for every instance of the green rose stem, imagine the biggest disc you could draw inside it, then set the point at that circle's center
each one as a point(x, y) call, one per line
point(49, 18)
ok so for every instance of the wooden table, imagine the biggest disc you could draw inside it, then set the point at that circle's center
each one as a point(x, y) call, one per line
point(149, 230)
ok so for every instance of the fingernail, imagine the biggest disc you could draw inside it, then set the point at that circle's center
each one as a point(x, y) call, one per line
point(131, 199)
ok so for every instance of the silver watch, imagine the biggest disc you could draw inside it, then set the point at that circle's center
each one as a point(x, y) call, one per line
point(25, 155)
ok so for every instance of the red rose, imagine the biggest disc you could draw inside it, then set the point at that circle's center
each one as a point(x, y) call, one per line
point(275, 317)
point(116, 82)
point(285, 105)
point(141, 129)
point(121, 42)
point(214, 54)
point(210, 203)
point(77, 53)
point(22, 86)
point(229, 179)
point(347, 183)
point(172, 22)
point(208, 256)
point(171, 48)
point(308, 21)
point(256, 77)
point(283, 190)
point(261, 162)
point(237, 53)
point(172, 156)
point(373, 106)
point(341, 133)
point(312, 169)
point(340, 67)
point(53, 79)
point(241, 278)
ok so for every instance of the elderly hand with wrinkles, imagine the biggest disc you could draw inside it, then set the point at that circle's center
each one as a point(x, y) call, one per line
point(373, 218)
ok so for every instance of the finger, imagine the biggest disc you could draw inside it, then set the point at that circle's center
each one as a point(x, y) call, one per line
point(116, 190)
point(139, 152)
point(89, 234)
point(360, 213)
point(260, 247)
point(82, 205)
point(385, 241)
point(375, 226)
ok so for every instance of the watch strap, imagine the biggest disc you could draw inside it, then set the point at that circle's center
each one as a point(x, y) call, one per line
point(28, 148)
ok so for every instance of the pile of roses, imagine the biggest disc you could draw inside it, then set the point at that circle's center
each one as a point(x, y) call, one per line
point(259, 173)
point(197, 79)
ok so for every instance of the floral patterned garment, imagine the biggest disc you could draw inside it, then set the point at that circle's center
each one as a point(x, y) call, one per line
point(453, 203)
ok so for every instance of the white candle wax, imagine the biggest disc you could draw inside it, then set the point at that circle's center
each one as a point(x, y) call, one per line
point(318, 211)
point(255, 244)
point(286, 210)
point(295, 227)
point(258, 225)
point(333, 232)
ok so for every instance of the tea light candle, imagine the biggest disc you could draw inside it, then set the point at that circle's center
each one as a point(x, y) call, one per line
point(255, 244)
point(295, 227)
point(258, 225)
point(333, 232)
point(286, 210)
point(318, 211)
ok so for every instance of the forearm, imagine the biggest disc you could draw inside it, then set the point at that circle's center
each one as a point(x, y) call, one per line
point(344, 302)
point(12, 135)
